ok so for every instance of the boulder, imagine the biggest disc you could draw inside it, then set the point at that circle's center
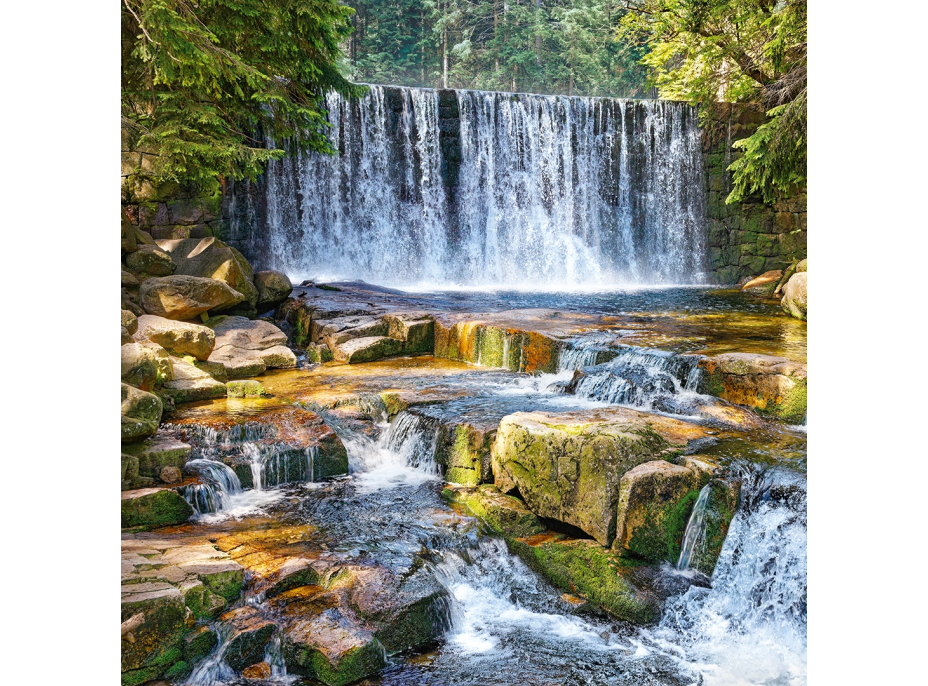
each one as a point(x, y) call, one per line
point(407, 610)
point(126, 336)
point(213, 259)
point(130, 321)
point(340, 330)
point(162, 358)
point(150, 260)
point(138, 366)
point(170, 475)
point(273, 288)
point(141, 413)
point(765, 284)
point(795, 295)
point(245, 389)
point(568, 466)
point(154, 624)
point(199, 643)
point(191, 384)
point(323, 641)
point(367, 349)
point(316, 353)
point(655, 502)
point(247, 347)
point(154, 507)
point(157, 453)
point(185, 297)
point(583, 567)
point(249, 634)
point(802, 267)
point(774, 386)
point(130, 302)
point(130, 472)
point(504, 514)
point(180, 338)
point(129, 280)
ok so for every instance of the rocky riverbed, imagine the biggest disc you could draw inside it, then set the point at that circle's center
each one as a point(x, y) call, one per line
point(316, 478)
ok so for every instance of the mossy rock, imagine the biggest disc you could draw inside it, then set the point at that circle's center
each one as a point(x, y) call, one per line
point(199, 643)
point(153, 507)
point(504, 514)
point(245, 388)
point(587, 569)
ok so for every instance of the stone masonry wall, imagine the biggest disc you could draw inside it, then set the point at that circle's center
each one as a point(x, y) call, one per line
point(747, 238)
point(169, 210)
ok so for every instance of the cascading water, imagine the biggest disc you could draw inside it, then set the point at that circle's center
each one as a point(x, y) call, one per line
point(637, 376)
point(217, 485)
point(695, 528)
point(471, 188)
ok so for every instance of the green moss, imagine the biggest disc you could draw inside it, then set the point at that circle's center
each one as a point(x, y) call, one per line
point(225, 584)
point(792, 409)
point(199, 643)
point(504, 514)
point(661, 537)
point(139, 676)
point(393, 404)
point(326, 287)
point(161, 508)
point(419, 625)
point(354, 665)
point(178, 671)
point(463, 476)
point(587, 569)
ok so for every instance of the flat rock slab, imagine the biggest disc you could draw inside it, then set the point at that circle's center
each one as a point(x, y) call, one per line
point(367, 349)
point(568, 466)
point(154, 507)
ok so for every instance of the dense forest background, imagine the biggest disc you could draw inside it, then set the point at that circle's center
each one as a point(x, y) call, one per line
point(564, 47)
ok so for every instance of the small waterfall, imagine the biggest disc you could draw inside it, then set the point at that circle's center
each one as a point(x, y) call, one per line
point(403, 454)
point(695, 528)
point(212, 670)
point(275, 464)
point(587, 352)
point(214, 493)
point(489, 189)
point(414, 439)
point(640, 377)
point(751, 625)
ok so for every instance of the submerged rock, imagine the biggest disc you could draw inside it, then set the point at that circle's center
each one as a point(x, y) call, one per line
point(568, 466)
point(180, 338)
point(186, 297)
point(774, 386)
point(245, 389)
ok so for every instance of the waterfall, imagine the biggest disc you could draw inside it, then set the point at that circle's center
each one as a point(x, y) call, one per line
point(217, 485)
point(642, 377)
point(752, 623)
point(472, 188)
point(695, 528)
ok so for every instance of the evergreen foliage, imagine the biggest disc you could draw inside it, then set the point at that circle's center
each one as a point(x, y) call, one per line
point(200, 79)
point(568, 47)
point(735, 51)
